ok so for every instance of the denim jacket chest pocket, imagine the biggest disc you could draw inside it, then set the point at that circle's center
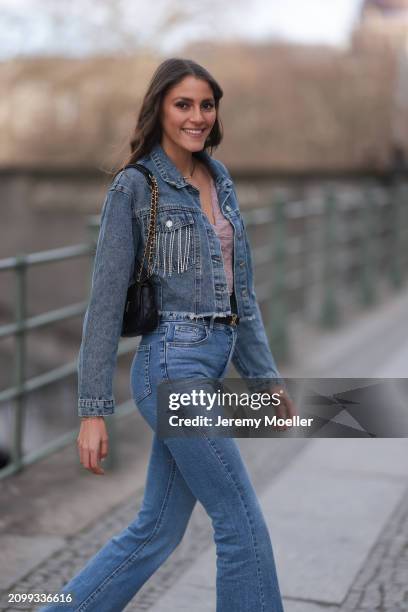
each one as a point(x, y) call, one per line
point(174, 241)
point(231, 212)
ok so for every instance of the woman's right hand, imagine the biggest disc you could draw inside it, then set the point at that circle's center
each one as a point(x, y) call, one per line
point(92, 443)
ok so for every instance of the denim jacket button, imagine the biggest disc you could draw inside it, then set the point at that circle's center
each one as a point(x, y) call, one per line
point(242, 264)
point(228, 207)
point(169, 223)
point(244, 292)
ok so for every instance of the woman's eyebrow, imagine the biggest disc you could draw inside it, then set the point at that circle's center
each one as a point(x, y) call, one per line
point(192, 100)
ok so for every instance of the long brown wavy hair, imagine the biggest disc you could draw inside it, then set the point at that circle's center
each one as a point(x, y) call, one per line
point(148, 130)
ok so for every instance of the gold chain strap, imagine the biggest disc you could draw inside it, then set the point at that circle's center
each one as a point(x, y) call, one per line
point(149, 246)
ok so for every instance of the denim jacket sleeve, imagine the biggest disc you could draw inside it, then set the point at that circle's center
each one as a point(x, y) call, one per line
point(252, 355)
point(112, 271)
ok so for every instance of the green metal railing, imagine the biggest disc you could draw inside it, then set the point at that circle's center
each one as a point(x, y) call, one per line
point(311, 247)
point(19, 329)
point(22, 387)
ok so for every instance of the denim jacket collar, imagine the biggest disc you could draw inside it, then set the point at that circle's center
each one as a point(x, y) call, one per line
point(170, 173)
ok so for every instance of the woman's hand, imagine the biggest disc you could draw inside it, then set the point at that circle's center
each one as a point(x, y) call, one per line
point(286, 408)
point(92, 443)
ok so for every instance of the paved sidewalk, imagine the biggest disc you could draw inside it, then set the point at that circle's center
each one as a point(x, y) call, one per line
point(337, 509)
point(325, 512)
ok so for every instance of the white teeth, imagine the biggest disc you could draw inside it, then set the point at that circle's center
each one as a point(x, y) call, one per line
point(192, 131)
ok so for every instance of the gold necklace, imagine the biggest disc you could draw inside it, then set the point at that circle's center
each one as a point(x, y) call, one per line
point(192, 171)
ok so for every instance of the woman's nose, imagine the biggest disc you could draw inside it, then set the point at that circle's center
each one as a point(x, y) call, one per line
point(197, 115)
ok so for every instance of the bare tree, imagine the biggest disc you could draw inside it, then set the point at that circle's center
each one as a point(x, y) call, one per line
point(82, 27)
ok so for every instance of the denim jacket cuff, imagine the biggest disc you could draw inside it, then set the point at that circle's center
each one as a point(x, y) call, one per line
point(264, 384)
point(95, 407)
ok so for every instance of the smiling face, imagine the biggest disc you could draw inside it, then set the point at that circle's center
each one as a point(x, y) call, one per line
point(187, 116)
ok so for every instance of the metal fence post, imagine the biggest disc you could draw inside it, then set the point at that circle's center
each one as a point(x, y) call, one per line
point(404, 224)
point(329, 313)
point(20, 361)
point(368, 226)
point(278, 331)
point(111, 460)
point(395, 239)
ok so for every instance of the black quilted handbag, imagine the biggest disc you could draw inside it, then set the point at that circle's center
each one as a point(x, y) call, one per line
point(140, 315)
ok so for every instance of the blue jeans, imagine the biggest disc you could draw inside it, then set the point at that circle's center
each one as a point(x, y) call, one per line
point(181, 471)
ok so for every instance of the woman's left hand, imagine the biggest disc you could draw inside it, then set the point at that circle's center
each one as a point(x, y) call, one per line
point(286, 409)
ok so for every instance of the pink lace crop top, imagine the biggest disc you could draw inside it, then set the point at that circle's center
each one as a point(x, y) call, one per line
point(225, 232)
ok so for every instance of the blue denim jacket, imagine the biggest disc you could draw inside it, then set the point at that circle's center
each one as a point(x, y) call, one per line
point(187, 272)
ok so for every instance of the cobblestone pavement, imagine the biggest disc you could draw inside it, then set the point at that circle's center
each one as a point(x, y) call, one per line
point(264, 460)
point(382, 585)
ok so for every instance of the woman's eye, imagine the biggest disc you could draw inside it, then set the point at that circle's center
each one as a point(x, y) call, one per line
point(205, 105)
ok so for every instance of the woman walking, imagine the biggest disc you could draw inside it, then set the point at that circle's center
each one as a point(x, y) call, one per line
point(208, 316)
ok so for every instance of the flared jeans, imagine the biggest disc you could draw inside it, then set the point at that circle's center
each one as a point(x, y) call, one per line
point(181, 471)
